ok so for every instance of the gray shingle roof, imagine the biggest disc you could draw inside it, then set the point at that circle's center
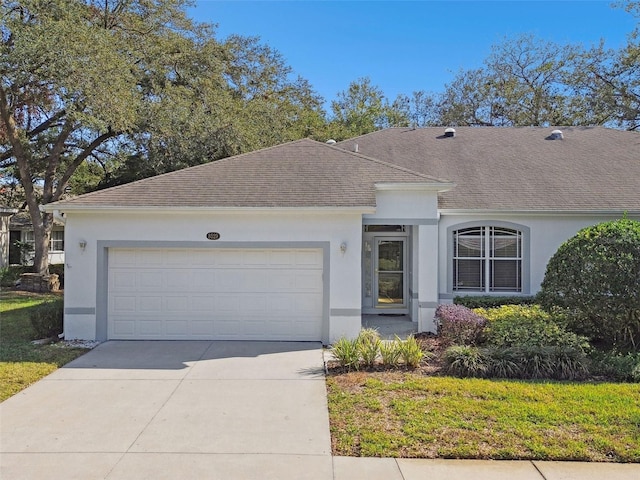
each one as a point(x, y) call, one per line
point(591, 169)
point(303, 173)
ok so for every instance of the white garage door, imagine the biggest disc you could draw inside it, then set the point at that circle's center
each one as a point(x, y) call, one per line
point(215, 294)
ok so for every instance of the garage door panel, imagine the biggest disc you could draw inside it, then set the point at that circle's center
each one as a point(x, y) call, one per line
point(269, 294)
point(150, 304)
point(123, 304)
point(122, 280)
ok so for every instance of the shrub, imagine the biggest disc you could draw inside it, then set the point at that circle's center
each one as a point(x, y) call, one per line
point(390, 352)
point(10, 275)
point(347, 353)
point(458, 325)
point(622, 367)
point(489, 301)
point(527, 326)
point(594, 278)
point(47, 319)
point(465, 361)
point(368, 343)
point(410, 352)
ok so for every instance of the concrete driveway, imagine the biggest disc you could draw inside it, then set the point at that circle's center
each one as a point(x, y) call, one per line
point(193, 409)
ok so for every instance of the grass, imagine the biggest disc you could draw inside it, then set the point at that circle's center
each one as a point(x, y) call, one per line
point(21, 362)
point(412, 415)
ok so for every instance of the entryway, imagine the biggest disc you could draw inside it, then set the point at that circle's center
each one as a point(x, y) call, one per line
point(385, 260)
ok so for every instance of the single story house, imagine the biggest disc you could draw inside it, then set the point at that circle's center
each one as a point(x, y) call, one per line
point(19, 249)
point(298, 241)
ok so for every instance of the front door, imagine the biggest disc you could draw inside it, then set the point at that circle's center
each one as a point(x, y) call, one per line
point(389, 269)
point(384, 272)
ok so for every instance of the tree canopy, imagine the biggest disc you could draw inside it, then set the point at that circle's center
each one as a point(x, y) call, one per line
point(116, 90)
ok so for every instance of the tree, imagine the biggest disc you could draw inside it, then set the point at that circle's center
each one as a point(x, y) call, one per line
point(107, 91)
point(523, 82)
point(594, 278)
point(361, 109)
point(76, 77)
point(418, 110)
point(608, 81)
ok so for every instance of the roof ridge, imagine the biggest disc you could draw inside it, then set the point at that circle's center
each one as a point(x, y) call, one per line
point(387, 164)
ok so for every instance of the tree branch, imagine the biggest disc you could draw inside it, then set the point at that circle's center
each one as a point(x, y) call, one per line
point(62, 183)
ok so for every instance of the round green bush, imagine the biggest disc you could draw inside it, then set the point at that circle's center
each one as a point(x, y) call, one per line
point(594, 279)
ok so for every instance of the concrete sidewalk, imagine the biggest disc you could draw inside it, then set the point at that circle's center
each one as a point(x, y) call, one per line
point(349, 468)
point(210, 410)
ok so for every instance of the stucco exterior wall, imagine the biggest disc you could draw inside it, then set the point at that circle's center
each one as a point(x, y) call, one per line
point(546, 234)
point(83, 271)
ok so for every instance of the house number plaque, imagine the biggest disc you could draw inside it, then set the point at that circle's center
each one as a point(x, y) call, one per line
point(213, 236)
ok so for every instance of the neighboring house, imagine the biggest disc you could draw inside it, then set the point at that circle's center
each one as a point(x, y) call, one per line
point(21, 240)
point(297, 241)
point(5, 214)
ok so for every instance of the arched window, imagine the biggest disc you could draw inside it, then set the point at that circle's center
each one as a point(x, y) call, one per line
point(487, 259)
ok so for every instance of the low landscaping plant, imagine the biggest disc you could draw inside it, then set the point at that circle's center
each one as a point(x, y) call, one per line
point(47, 319)
point(490, 301)
point(9, 276)
point(527, 326)
point(410, 352)
point(621, 367)
point(390, 352)
point(465, 361)
point(368, 349)
point(523, 362)
point(347, 353)
point(459, 325)
point(368, 346)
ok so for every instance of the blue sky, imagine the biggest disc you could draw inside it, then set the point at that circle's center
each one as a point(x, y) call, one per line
point(404, 46)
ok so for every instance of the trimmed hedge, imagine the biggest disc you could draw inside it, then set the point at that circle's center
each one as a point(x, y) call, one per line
point(489, 301)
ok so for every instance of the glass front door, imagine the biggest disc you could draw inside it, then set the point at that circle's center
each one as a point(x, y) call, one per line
point(390, 272)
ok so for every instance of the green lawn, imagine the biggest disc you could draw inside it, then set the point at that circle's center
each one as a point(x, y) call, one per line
point(412, 415)
point(21, 362)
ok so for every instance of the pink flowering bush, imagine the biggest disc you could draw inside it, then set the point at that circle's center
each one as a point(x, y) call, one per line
point(459, 325)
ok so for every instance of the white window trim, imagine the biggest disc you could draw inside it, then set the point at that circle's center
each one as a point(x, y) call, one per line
point(525, 258)
point(28, 237)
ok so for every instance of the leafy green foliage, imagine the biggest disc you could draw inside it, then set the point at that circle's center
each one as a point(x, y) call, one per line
point(465, 361)
point(594, 280)
point(110, 92)
point(47, 319)
point(527, 326)
point(11, 274)
point(367, 349)
point(368, 346)
point(347, 353)
point(622, 367)
point(410, 352)
point(490, 301)
point(390, 352)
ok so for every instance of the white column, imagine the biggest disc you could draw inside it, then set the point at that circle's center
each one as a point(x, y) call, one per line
point(427, 276)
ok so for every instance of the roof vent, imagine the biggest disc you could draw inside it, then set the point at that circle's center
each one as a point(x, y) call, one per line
point(557, 135)
point(331, 141)
point(450, 132)
point(355, 147)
